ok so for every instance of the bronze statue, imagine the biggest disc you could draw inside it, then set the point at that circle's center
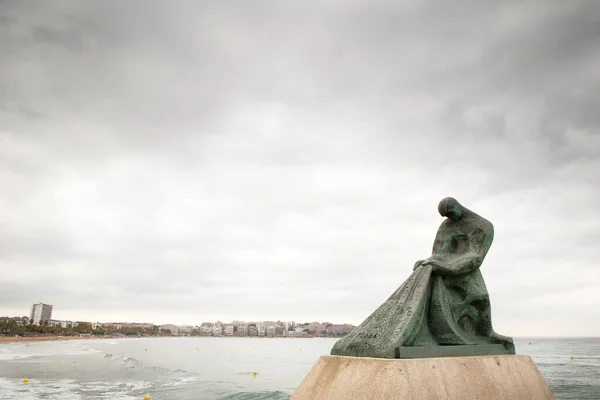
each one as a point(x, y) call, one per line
point(443, 303)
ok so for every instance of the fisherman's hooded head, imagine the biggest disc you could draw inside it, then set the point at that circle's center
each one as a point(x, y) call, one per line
point(450, 208)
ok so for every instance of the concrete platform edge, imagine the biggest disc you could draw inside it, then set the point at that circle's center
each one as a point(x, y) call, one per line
point(501, 377)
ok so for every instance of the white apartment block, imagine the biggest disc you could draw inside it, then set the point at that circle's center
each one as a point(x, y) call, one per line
point(262, 330)
point(40, 312)
point(206, 329)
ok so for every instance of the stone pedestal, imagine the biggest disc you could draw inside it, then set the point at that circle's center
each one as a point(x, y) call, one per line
point(505, 377)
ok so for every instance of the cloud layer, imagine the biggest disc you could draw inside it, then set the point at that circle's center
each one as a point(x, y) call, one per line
point(189, 161)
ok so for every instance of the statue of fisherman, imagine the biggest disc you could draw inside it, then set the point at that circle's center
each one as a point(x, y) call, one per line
point(444, 301)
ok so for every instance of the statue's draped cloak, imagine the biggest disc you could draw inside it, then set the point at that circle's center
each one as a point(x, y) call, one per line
point(432, 309)
point(426, 309)
point(396, 321)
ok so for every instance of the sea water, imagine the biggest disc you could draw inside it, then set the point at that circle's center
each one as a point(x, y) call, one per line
point(223, 368)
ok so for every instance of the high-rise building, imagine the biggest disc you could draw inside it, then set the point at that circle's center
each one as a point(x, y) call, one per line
point(40, 312)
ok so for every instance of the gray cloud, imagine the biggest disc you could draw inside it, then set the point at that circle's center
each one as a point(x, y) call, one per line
point(192, 161)
point(70, 40)
point(6, 20)
point(31, 114)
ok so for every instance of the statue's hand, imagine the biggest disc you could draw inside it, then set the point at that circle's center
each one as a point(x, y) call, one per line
point(427, 261)
point(418, 264)
point(440, 267)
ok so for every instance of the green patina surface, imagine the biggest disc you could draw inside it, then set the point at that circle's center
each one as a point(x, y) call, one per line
point(443, 303)
point(455, 351)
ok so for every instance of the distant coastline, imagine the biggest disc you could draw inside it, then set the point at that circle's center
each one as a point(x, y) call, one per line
point(16, 328)
point(49, 338)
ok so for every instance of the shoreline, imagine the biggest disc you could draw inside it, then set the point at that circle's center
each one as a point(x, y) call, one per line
point(29, 339)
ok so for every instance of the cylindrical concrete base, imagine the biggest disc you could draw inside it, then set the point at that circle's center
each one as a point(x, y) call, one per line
point(513, 377)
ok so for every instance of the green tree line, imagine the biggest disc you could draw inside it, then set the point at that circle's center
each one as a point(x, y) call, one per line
point(11, 328)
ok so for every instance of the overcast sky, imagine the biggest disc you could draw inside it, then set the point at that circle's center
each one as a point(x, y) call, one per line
point(186, 161)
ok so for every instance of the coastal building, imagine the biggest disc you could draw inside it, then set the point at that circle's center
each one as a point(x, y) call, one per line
point(112, 325)
point(295, 333)
point(262, 330)
point(196, 331)
point(136, 325)
point(242, 330)
point(206, 328)
point(252, 331)
point(341, 330)
point(41, 312)
point(185, 330)
point(62, 324)
point(169, 329)
point(228, 331)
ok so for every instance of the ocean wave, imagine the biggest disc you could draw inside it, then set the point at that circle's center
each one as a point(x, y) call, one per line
point(10, 357)
point(581, 363)
point(13, 352)
point(69, 389)
point(181, 381)
point(38, 389)
point(140, 365)
point(43, 350)
point(130, 361)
